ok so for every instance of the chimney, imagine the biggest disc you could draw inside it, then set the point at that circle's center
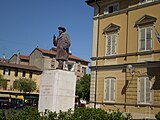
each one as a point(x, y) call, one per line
point(18, 57)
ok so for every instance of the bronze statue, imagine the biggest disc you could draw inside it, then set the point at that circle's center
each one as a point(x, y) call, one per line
point(62, 42)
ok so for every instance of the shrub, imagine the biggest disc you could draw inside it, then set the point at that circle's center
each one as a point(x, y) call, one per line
point(2, 115)
point(157, 116)
point(30, 113)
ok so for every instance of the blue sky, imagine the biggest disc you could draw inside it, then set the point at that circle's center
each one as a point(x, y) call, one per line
point(26, 24)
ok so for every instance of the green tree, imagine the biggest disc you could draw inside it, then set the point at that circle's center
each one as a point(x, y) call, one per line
point(83, 87)
point(24, 85)
point(3, 82)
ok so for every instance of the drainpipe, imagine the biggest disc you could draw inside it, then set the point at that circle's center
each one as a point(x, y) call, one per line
point(126, 60)
point(126, 37)
point(97, 52)
point(129, 2)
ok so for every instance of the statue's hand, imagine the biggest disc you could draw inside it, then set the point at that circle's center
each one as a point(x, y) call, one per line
point(54, 37)
point(54, 41)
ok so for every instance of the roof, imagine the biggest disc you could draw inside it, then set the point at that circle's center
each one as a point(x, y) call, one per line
point(24, 57)
point(90, 2)
point(53, 52)
point(26, 67)
point(21, 57)
point(3, 60)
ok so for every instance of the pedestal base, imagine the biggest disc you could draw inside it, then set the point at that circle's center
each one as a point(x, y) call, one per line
point(57, 90)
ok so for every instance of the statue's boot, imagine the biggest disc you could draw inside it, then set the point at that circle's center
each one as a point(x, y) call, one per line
point(60, 64)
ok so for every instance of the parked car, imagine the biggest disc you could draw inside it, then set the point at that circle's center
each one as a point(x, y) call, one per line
point(31, 102)
point(5, 104)
point(17, 103)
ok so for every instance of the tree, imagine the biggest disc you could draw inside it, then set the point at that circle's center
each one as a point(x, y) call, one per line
point(3, 82)
point(83, 87)
point(24, 85)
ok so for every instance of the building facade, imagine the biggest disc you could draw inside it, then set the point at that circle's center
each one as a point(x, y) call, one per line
point(45, 59)
point(125, 69)
point(19, 59)
point(11, 72)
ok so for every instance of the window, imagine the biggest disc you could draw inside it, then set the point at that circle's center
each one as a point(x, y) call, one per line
point(53, 62)
point(30, 74)
point(78, 77)
point(6, 71)
point(84, 70)
point(111, 8)
point(146, 1)
point(144, 91)
point(145, 38)
point(78, 68)
point(96, 10)
point(16, 73)
point(24, 74)
point(70, 67)
point(111, 40)
point(109, 90)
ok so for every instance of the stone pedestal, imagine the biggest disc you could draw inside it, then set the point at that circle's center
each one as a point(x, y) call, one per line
point(57, 90)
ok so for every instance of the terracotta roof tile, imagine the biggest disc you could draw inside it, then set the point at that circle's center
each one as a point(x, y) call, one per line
point(24, 57)
point(52, 52)
point(27, 67)
point(3, 60)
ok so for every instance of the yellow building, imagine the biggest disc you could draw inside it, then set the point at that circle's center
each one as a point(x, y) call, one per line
point(125, 69)
point(12, 72)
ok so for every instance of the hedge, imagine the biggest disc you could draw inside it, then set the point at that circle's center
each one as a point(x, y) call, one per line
point(30, 113)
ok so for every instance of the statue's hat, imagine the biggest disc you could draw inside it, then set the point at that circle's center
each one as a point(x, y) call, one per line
point(62, 28)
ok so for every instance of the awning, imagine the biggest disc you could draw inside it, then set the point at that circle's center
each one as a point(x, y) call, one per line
point(17, 97)
point(4, 95)
point(13, 96)
point(20, 97)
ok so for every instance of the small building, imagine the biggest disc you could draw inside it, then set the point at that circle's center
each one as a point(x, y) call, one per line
point(45, 59)
point(19, 59)
point(12, 72)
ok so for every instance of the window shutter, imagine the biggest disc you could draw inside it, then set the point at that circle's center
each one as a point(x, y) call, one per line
point(112, 90)
point(113, 44)
point(142, 86)
point(107, 90)
point(106, 10)
point(147, 90)
point(108, 45)
point(116, 7)
point(142, 39)
point(148, 38)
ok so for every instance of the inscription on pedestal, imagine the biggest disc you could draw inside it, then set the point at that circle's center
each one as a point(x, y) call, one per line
point(47, 90)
